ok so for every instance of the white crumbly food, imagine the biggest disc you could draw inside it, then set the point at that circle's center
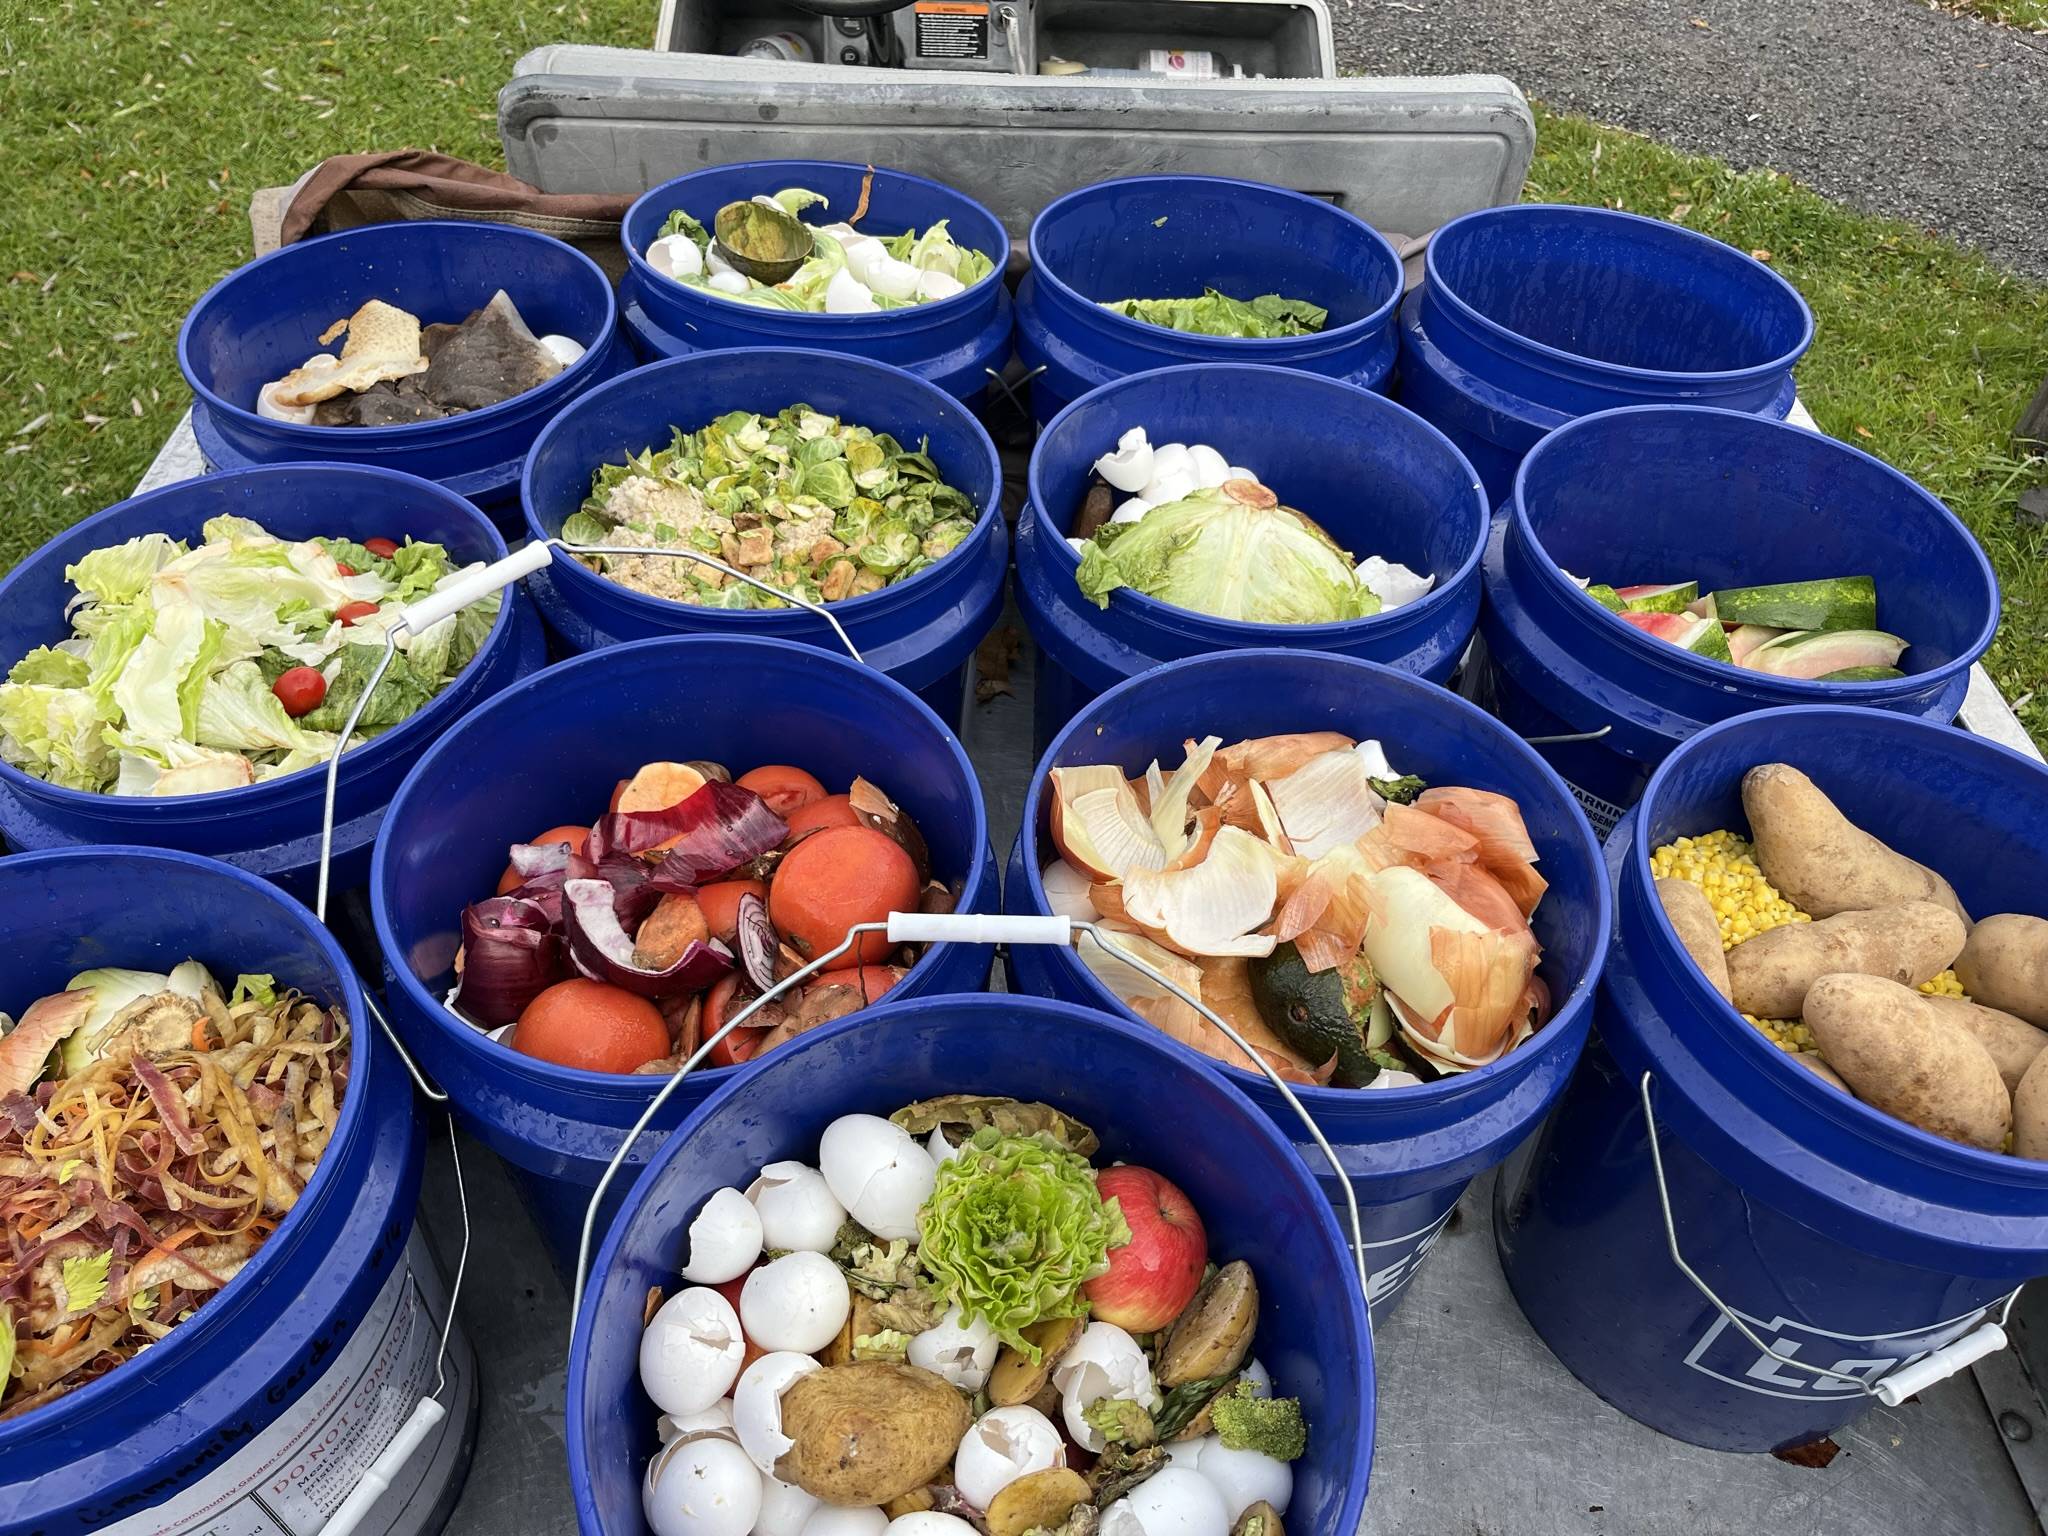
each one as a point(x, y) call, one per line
point(640, 502)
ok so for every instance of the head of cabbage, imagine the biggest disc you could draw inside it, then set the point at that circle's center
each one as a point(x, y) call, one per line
point(1232, 552)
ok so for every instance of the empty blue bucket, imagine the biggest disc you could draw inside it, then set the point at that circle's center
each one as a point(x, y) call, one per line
point(550, 750)
point(163, 1432)
point(1844, 1238)
point(1380, 479)
point(263, 320)
point(922, 631)
point(273, 828)
point(1532, 314)
point(1409, 1152)
point(1140, 1095)
point(1678, 493)
point(954, 343)
point(1169, 237)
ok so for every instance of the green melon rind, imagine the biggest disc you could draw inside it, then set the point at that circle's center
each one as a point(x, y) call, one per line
point(1675, 598)
point(1711, 641)
point(1861, 675)
point(1876, 641)
point(1840, 602)
point(1605, 596)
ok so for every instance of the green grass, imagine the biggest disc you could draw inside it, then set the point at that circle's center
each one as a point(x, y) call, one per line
point(2029, 15)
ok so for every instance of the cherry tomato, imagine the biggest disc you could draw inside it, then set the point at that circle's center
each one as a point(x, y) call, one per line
point(740, 1045)
point(300, 690)
point(383, 549)
point(834, 879)
point(345, 568)
point(348, 613)
point(832, 811)
point(784, 788)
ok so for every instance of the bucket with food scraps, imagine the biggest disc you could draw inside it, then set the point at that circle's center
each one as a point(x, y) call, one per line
point(1205, 508)
point(820, 255)
point(180, 666)
point(1385, 892)
point(1668, 566)
point(1819, 1084)
point(1530, 315)
point(1154, 271)
point(429, 346)
point(841, 482)
point(595, 871)
point(799, 1324)
point(206, 1153)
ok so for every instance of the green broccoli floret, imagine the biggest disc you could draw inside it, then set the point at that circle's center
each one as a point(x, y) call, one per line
point(1272, 1426)
point(1401, 791)
point(1120, 1419)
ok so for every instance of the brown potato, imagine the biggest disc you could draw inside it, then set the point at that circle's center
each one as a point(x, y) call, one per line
point(2030, 1113)
point(1901, 1056)
point(869, 1432)
point(1036, 1499)
point(2005, 965)
point(860, 1322)
point(1015, 1379)
point(2013, 1043)
point(1214, 1334)
point(1822, 862)
point(1261, 1519)
point(1692, 915)
point(1911, 943)
point(1821, 1069)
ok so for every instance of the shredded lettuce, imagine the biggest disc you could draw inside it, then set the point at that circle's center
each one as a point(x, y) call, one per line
point(1218, 314)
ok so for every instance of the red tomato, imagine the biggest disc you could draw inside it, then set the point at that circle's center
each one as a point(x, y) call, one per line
point(720, 904)
point(300, 690)
point(345, 568)
point(575, 837)
point(348, 613)
point(383, 549)
point(834, 879)
point(592, 1026)
point(783, 787)
point(832, 811)
point(741, 1044)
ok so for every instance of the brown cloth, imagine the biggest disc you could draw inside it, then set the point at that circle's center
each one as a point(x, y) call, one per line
point(347, 190)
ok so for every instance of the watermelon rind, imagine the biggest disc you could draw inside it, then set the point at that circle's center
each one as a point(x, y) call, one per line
point(1861, 675)
point(1675, 598)
point(1605, 596)
point(1837, 602)
point(1815, 654)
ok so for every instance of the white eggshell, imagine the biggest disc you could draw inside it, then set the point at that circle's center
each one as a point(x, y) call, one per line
point(715, 1420)
point(877, 1171)
point(268, 408)
point(1261, 1378)
point(1244, 1477)
point(785, 1508)
point(691, 1352)
point(728, 282)
point(963, 1353)
point(845, 295)
point(861, 258)
point(1182, 1453)
point(1209, 466)
point(1105, 1362)
point(797, 1208)
point(1239, 472)
point(1001, 1446)
point(725, 1239)
point(927, 1522)
point(1394, 585)
point(939, 285)
point(757, 1404)
point(798, 1302)
point(564, 349)
point(703, 1487)
point(843, 232)
point(896, 279)
point(1077, 545)
point(1130, 511)
point(940, 1150)
point(1168, 485)
point(1172, 1502)
point(714, 263)
point(831, 1521)
point(1130, 466)
point(675, 256)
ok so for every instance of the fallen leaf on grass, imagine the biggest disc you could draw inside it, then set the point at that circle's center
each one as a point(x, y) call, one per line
point(1760, 254)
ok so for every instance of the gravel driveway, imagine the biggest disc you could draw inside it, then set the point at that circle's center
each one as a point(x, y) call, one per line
point(1882, 104)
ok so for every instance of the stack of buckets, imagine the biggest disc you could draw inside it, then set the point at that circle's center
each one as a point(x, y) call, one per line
point(1577, 388)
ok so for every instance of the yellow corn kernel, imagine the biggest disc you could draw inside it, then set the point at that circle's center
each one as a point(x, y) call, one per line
point(1724, 867)
point(1946, 984)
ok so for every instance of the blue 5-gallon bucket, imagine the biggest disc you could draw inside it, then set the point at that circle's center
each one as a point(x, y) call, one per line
point(550, 751)
point(1530, 315)
point(1169, 237)
point(1678, 493)
point(272, 1399)
point(263, 320)
point(1141, 1096)
point(1409, 1152)
point(1843, 1238)
point(921, 631)
point(1380, 479)
point(270, 828)
point(957, 344)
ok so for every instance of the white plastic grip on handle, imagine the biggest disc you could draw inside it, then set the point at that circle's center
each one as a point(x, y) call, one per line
point(459, 592)
point(977, 928)
point(371, 1485)
point(1965, 1352)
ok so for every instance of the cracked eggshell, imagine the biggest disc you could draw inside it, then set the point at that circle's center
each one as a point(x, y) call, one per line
point(1106, 1362)
point(797, 1210)
point(877, 1171)
point(692, 1351)
point(1168, 486)
point(798, 1302)
point(715, 1420)
point(727, 282)
point(940, 1150)
point(725, 1239)
point(676, 256)
point(1239, 472)
point(840, 1521)
point(785, 1508)
point(1244, 1477)
point(1130, 466)
point(939, 285)
point(757, 1404)
point(1171, 1502)
point(845, 294)
point(892, 278)
point(1210, 467)
point(701, 1487)
point(1130, 511)
point(1002, 1446)
point(563, 349)
point(928, 1522)
point(963, 1353)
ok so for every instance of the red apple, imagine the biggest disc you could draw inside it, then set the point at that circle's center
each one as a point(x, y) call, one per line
point(1153, 1277)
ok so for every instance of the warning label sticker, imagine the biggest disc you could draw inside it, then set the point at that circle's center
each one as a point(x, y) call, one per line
point(951, 29)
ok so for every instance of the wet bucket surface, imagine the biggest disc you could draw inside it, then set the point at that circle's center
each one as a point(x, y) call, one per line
point(554, 747)
point(1845, 1238)
point(1378, 478)
point(1254, 1198)
point(1677, 493)
point(954, 343)
point(263, 320)
point(1532, 314)
point(271, 829)
point(1409, 1152)
point(1157, 237)
point(921, 631)
point(205, 1415)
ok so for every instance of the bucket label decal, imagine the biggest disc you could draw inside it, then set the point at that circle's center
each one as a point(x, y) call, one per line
point(1393, 1261)
point(1724, 1354)
point(1602, 813)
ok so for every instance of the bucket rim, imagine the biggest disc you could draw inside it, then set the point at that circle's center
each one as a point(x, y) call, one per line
point(574, 573)
point(371, 753)
point(1247, 634)
point(1445, 1090)
point(1645, 647)
point(169, 1353)
point(1704, 248)
point(628, 1086)
point(313, 440)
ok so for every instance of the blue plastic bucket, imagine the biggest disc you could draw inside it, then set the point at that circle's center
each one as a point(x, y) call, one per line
point(263, 320)
point(1379, 478)
point(1159, 237)
point(271, 829)
point(1409, 1152)
point(954, 343)
point(551, 749)
point(1843, 1237)
point(1677, 493)
point(1530, 315)
point(229, 1399)
point(1138, 1094)
point(921, 631)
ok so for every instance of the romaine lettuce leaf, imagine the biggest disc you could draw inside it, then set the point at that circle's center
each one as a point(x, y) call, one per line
point(120, 572)
point(1218, 314)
